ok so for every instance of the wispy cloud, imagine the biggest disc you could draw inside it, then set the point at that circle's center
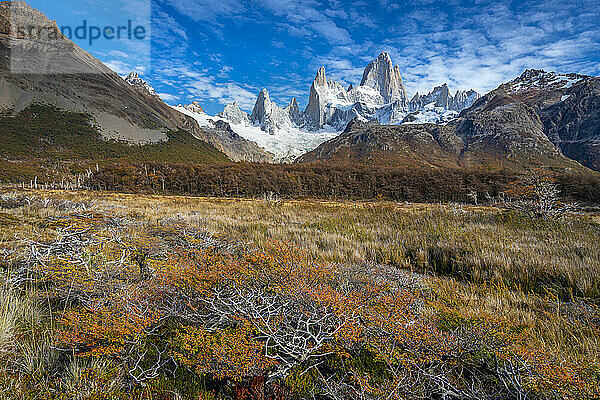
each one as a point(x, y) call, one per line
point(202, 87)
point(496, 43)
point(120, 67)
point(168, 98)
point(208, 10)
point(280, 44)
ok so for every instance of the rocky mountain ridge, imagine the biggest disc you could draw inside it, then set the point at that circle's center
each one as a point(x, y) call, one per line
point(381, 95)
point(134, 80)
point(567, 106)
point(539, 118)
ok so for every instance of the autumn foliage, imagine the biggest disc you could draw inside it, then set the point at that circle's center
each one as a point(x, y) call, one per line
point(172, 309)
point(166, 302)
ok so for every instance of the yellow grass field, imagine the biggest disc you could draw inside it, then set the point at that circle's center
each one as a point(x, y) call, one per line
point(470, 272)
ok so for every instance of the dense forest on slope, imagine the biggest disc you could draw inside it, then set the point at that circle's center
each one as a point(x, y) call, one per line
point(336, 181)
point(48, 143)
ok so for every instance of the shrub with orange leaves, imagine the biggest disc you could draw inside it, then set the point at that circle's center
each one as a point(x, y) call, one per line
point(106, 328)
point(160, 299)
point(231, 353)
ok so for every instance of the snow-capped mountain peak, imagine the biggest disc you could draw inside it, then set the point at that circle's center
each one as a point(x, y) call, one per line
point(538, 79)
point(195, 107)
point(288, 132)
point(440, 97)
point(134, 80)
point(384, 77)
point(271, 118)
point(234, 115)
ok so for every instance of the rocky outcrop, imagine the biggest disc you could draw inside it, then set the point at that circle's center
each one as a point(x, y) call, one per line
point(381, 96)
point(234, 115)
point(441, 97)
point(385, 78)
point(569, 109)
point(537, 114)
point(464, 99)
point(234, 146)
point(294, 112)
point(331, 104)
point(220, 134)
point(134, 80)
point(195, 107)
point(500, 126)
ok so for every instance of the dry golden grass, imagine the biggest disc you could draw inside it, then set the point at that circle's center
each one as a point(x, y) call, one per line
point(544, 274)
point(476, 244)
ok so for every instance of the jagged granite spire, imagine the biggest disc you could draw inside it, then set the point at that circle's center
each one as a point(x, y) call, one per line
point(384, 77)
point(440, 97)
point(262, 108)
point(464, 99)
point(195, 107)
point(314, 110)
point(294, 111)
point(321, 78)
point(233, 114)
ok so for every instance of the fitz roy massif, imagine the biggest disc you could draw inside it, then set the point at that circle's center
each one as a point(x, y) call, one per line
point(380, 96)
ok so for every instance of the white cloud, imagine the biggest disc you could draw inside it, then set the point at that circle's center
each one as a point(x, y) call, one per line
point(305, 18)
point(468, 45)
point(199, 86)
point(224, 72)
point(330, 31)
point(119, 67)
point(495, 44)
point(168, 97)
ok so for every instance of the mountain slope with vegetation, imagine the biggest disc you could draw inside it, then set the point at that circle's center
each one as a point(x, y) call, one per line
point(56, 72)
point(48, 142)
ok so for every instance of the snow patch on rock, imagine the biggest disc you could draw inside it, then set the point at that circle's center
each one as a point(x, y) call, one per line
point(134, 80)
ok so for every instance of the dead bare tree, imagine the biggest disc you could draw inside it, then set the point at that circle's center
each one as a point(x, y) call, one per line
point(537, 194)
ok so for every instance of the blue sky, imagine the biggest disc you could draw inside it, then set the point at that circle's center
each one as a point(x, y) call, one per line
point(218, 51)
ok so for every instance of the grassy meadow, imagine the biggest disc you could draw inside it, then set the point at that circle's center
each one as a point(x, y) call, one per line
point(110, 295)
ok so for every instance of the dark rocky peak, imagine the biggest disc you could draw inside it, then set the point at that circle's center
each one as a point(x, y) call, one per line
point(134, 80)
point(530, 73)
